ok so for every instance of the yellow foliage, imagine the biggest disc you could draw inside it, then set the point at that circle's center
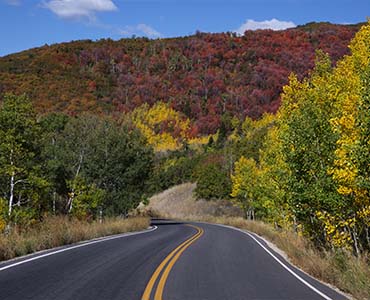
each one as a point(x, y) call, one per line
point(3, 210)
point(244, 178)
point(337, 230)
point(2, 224)
point(348, 81)
point(202, 140)
point(364, 215)
point(164, 128)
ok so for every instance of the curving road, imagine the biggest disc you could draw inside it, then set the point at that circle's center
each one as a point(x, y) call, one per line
point(171, 261)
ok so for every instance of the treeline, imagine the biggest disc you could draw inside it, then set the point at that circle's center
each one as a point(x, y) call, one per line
point(204, 76)
point(312, 170)
point(85, 166)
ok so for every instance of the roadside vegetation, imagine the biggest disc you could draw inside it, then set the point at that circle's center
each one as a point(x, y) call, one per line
point(340, 269)
point(86, 167)
point(306, 168)
point(59, 231)
point(64, 178)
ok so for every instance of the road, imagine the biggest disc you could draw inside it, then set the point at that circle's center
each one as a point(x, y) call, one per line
point(172, 261)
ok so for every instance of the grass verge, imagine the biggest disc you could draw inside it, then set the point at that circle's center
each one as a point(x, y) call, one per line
point(59, 231)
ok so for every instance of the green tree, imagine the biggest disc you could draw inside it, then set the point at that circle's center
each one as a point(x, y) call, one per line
point(75, 142)
point(308, 142)
point(251, 137)
point(52, 125)
point(120, 164)
point(20, 171)
point(87, 199)
point(247, 186)
point(213, 179)
point(111, 157)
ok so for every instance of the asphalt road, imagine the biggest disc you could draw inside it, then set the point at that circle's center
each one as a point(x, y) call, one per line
point(173, 261)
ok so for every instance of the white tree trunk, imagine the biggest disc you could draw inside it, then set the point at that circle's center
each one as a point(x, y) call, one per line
point(70, 200)
point(11, 192)
point(11, 196)
point(358, 253)
point(54, 201)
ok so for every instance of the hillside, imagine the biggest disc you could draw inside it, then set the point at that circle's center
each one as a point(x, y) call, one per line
point(203, 76)
point(179, 202)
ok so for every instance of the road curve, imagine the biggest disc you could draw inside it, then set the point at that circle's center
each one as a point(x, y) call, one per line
point(176, 261)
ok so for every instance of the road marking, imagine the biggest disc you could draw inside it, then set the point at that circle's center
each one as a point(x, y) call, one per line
point(100, 240)
point(167, 265)
point(279, 261)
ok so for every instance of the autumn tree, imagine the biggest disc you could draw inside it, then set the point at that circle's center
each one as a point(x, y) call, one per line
point(352, 155)
point(164, 128)
point(275, 176)
point(308, 142)
point(247, 187)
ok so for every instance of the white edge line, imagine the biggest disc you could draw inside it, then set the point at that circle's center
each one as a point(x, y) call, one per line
point(78, 246)
point(279, 261)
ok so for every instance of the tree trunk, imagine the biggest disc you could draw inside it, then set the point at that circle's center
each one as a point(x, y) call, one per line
point(54, 201)
point(355, 242)
point(70, 200)
point(11, 196)
point(100, 215)
point(295, 225)
point(367, 236)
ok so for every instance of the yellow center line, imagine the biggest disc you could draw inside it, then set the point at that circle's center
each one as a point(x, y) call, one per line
point(179, 250)
point(166, 272)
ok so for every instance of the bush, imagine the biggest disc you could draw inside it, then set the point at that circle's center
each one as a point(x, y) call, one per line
point(213, 181)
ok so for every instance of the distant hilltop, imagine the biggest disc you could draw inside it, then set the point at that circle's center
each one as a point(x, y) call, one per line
point(204, 76)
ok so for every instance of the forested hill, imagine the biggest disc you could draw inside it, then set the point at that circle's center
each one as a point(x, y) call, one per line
point(203, 76)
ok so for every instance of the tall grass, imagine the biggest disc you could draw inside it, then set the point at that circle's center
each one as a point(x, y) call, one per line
point(59, 231)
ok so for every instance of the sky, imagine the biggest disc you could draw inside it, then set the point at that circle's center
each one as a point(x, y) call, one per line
point(31, 23)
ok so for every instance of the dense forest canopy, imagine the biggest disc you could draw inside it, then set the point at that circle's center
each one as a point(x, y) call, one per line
point(203, 76)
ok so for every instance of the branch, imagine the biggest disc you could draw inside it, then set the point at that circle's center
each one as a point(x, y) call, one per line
point(20, 181)
point(22, 202)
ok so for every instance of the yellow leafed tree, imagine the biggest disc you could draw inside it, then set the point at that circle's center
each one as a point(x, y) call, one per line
point(164, 128)
point(352, 163)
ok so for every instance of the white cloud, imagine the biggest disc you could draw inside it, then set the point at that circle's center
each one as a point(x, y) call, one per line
point(13, 2)
point(273, 24)
point(147, 30)
point(140, 30)
point(72, 9)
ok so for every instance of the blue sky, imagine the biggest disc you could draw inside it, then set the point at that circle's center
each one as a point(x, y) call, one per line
point(25, 23)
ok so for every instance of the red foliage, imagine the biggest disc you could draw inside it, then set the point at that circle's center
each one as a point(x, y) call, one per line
point(203, 76)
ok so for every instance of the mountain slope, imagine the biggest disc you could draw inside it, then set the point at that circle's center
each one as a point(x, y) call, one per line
point(203, 76)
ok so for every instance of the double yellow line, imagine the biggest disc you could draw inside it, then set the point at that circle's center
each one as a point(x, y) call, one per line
point(167, 265)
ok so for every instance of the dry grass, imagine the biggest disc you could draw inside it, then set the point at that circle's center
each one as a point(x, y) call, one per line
point(179, 203)
point(59, 231)
point(342, 270)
